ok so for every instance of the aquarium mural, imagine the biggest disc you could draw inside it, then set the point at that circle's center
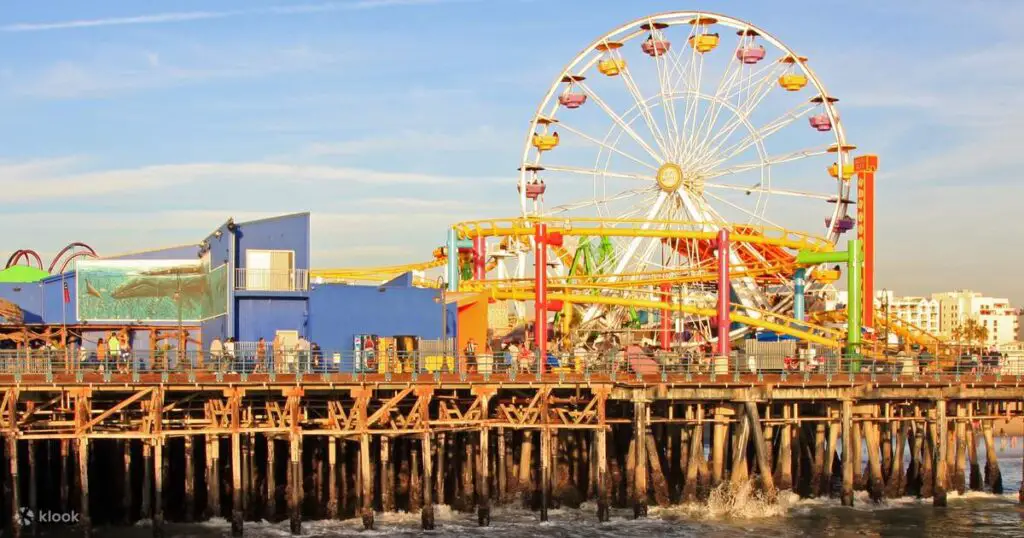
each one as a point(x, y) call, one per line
point(150, 290)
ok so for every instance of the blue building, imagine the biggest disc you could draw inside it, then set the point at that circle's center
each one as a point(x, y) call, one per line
point(266, 264)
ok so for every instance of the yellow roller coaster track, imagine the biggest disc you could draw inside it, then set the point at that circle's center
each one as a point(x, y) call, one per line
point(661, 229)
point(776, 322)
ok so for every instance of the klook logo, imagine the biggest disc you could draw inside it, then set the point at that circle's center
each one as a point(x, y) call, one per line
point(27, 517)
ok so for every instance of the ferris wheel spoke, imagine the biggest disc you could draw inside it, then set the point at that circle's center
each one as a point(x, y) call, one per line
point(645, 110)
point(607, 146)
point(596, 172)
point(759, 188)
point(625, 126)
point(730, 75)
point(667, 64)
point(742, 209)
point(620, 196)
point(785, 158)
point(759, 135)
point(742, 111)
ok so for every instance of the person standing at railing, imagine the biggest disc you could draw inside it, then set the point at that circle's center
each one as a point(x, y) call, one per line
point(468, 356)
point(302, 347)
point(229, 356)
point(113, 351)
point(216, 352)
point(261, 355)
point(101, 353)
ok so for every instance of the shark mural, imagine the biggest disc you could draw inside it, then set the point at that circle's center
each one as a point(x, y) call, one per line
point(150, 290)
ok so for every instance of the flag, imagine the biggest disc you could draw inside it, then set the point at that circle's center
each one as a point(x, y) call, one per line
point(67, 293)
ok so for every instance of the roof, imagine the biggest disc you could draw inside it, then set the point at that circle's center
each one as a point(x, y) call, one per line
point(22, 273)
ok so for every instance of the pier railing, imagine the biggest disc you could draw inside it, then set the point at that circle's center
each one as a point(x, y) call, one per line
point(271, 279)
point(616, 366)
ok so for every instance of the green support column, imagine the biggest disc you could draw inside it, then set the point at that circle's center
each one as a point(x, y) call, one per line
point(852, 259)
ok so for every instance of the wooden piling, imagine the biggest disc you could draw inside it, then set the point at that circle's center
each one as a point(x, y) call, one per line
point(545, 472)
point(603, 487)
point(876, 484)
point(251, 481)
point(190, 481)
point(976, 483)
point(960, 450)
point(740, 441)
point(695, 455)
point(65, 479)
point(764, 466)
point(658, 483)
point(366, 477)
point(427, 513)
point(212, 458)
point(146, 499)
point(721, 430)
point(818, 484)
point(502, 467)
point(846, 495)
point(295, 488)
point(387, 476)
point(484, 469)
point(993, 476)
point(332, 478)
point(344, 469)
point(415, 479)
point(859, 478)
point(84, 521)
point(831, 454)
point(126, 482)
point(639, 434)
point(159, 475)
point(236, 484)
point(271, 479)
point(13, 484)
point(33, 479)
point(927, 459)
point(941, 465)
point(784, 462)
point(526, 483)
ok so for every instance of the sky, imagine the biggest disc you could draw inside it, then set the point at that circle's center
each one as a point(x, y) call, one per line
point(130, 125)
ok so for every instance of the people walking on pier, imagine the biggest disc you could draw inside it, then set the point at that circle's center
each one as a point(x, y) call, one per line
point(216, 352)
point(469, 356)
point(113, 351)
point(229, 356)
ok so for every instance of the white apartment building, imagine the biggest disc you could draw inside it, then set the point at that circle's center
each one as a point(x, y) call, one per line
point(995, 314)
point(921, 312)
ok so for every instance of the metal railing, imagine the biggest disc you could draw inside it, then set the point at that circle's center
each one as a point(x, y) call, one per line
point(271, 279)
point(615, 366)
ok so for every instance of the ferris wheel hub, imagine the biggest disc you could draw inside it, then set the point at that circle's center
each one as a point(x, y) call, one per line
point(670, 177)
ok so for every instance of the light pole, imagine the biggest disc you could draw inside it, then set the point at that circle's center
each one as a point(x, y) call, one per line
point(885, 310)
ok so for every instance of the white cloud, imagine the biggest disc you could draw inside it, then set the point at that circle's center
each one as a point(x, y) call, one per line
point(481, 138)
point(54, 180)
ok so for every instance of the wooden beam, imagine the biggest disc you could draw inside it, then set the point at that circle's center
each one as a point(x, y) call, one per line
point(124, 403)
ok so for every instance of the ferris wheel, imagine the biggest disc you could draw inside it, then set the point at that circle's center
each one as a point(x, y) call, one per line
point(687, 120)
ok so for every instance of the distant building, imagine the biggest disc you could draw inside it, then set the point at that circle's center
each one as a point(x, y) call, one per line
point(921, 312)
point(995, 314)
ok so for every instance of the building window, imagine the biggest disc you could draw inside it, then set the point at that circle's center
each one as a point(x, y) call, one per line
point(269, 270)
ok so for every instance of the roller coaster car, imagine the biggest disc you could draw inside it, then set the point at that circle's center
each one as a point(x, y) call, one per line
point(821, 122)
point(847, 171)
point(704, 42)
point(655, 47)
point(792, 82)
point(545, 142)
point(611, 67)
point(750, 55)
point(572, 100)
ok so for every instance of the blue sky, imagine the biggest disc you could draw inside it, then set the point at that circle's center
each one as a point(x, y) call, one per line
point(129, 126)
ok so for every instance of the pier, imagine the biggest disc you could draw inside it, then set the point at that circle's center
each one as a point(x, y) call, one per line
point(186, 445)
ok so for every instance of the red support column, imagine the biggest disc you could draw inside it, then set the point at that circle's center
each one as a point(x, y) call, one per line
point(865, 167)
point(540, 299)
point(479, 258)
point(666, 317)
point(723, 293)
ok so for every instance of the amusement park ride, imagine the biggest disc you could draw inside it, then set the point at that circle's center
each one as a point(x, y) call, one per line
point(644, 193)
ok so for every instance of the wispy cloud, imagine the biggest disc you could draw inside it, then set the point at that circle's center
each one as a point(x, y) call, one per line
point(188, 16)
point(482, 138)
point(42, 180)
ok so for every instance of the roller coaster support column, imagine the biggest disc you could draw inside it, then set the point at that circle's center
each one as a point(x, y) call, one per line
point(542, 240)
point(723, 293)
point(852, 258)
point(453, 245)
point(865, 167)
point(799, 285)
point(666, 317)
point(479, 258)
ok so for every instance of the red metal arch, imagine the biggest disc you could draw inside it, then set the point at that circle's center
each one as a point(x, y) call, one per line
point(28, 254)
point(88, 252)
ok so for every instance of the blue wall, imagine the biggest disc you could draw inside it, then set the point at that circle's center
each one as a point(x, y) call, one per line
point(29, 296)
point(338, 312)
point(263, 317)
point(287, 232)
